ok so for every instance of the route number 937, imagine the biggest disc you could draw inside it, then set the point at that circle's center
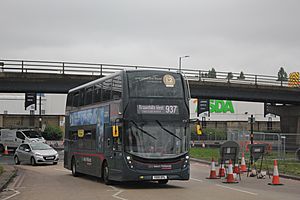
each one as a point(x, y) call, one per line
point(171, 109)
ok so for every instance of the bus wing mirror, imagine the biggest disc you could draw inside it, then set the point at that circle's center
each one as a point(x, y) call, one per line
point(115, 131)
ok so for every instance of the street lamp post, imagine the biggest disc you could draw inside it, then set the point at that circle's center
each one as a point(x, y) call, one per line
point(180, 61)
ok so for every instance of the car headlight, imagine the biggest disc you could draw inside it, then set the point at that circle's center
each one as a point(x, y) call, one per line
point(37, 154)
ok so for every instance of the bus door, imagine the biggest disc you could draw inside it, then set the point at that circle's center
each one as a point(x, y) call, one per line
point(118, 153)
point(108, 144)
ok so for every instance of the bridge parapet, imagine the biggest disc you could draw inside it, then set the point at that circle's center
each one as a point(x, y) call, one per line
point(100, 69)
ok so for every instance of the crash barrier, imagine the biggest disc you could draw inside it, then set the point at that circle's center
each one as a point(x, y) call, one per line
point(298, 154)
point(280, 143)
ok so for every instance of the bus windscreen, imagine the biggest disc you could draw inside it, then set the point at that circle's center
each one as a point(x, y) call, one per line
point(155, 84)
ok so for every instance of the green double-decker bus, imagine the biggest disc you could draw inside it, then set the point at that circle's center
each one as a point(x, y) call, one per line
point(129, 126)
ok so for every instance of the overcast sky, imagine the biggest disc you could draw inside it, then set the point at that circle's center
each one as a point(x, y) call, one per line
point(255, 36)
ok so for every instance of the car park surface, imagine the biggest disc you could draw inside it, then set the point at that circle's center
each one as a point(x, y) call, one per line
point(54, 179)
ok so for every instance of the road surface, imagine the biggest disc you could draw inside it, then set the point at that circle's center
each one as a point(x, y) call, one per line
point(55, 182)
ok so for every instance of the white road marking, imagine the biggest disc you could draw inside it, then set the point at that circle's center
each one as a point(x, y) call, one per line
point(16, 181)
point(20, 181)
point(11, 196)
point(114, 188)
point(194, 179)
point(235, 189)
point(117, 193)
point(62, 170)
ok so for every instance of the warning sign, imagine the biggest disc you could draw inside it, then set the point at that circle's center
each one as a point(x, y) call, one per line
point(294, 79)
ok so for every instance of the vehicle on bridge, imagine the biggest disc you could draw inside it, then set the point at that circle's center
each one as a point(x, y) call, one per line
point(129, 126)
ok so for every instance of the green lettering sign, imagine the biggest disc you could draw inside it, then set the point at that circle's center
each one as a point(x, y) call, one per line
point(221, 106)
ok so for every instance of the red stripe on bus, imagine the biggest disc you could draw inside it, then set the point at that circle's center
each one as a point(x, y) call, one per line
point(99, 155)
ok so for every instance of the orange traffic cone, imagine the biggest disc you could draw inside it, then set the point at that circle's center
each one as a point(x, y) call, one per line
point(213, 173)
point(275, 179)
point(236, 168)
point(243, 164)
point(230, 177)
point(222, 171)
point(5, 150)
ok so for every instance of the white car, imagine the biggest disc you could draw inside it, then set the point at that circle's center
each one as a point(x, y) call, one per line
point(35, 153)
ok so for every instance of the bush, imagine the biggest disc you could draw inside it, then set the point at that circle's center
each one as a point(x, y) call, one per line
point(209, 134)
point(52, 133)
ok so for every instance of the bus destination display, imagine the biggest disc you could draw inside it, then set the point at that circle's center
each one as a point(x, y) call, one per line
point(157, 109)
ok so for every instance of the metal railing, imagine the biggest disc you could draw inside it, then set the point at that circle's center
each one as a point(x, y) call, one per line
point(100, 69)
point(282, 143)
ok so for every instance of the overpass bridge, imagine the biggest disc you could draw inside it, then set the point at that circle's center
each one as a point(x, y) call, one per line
point(20, 76)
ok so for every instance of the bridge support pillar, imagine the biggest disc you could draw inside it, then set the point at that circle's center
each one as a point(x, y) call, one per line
point(289, 120)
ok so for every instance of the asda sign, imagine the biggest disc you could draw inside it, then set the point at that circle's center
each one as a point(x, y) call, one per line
point(218, 106)
point(221, 106)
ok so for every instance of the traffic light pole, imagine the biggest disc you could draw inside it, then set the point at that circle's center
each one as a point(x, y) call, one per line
point(40, 113)
point(251, 136)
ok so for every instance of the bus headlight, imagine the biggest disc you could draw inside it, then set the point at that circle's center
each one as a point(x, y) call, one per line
point(129, 162)
point(186, 161)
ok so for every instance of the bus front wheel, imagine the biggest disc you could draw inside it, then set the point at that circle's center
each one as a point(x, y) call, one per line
point(105, 174)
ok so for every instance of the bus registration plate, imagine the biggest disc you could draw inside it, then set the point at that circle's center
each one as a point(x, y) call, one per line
point(159, 177)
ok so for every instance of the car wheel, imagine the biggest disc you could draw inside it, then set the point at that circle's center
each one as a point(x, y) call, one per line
point(105, 174)
point(17, 161)
point(32, 161)
point(163, 182)
point(74, 172)
point(54, 163)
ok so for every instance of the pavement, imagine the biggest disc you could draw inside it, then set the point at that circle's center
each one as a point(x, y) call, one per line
point(9, 172)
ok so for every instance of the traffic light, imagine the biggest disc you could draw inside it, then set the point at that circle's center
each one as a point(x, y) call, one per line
point(198, 128)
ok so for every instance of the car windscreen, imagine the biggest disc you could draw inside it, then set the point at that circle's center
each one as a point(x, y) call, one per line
point(40, 146)
point(32, 134)
point(155, 84)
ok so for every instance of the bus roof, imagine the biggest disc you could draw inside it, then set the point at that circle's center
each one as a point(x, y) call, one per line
point(95, 81)
point(115, 74)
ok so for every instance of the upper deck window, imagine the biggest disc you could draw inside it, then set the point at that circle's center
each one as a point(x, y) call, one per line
point(155, 84)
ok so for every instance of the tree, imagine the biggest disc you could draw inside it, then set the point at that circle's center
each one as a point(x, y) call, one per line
point(229, 76)
point(212, 73)
point(242, 76)
point(52, 133)
point(282, 75)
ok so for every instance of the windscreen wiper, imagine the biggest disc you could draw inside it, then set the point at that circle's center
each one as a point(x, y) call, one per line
point(163, 128)
point(143, 131)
